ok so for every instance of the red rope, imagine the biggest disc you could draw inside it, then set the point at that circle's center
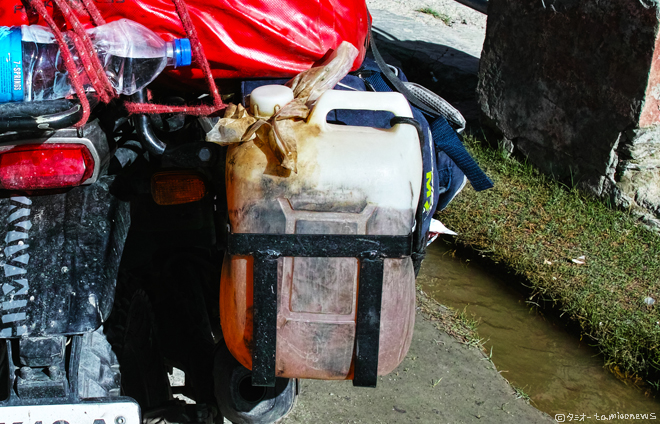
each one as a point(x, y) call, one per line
point(87, 55)
point(69, 62)
point(150, 108)
point(200, 59)
point(96, 73)
point(79, 8)
point(103, 88)
point(94, 13)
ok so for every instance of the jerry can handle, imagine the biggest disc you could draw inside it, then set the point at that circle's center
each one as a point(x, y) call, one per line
point(358, 100)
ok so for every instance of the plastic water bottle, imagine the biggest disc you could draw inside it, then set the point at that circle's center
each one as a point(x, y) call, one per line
point(32, 67)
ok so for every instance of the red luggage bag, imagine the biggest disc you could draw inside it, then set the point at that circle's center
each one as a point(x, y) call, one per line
point(241, 38)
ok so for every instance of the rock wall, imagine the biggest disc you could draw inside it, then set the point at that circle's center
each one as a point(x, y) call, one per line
point(575, 86)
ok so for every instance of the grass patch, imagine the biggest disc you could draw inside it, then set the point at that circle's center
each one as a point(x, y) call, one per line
point(520, 394)
point(541, 229)
point(443, 17)
point(452, 322)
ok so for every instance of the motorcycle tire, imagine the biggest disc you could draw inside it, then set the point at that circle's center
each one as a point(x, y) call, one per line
point(242, 403)
point(145, 374)
point(98, 372)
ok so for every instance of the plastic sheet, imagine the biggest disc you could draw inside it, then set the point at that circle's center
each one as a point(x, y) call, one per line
point(280, 131)
point(309, 85)
point(232, 127)
point(241, 38)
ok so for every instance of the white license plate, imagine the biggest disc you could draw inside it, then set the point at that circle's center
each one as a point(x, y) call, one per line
point(122, 412)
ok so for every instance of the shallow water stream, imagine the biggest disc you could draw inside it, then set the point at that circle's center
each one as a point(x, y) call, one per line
point(560, 373)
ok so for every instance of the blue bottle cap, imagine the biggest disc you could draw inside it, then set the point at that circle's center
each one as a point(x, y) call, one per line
point(182, 52)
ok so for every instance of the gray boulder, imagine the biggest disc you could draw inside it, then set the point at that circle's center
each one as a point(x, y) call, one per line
point(575, 86)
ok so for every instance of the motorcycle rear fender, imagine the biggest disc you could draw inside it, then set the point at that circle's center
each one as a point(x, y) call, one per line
point(60, 256)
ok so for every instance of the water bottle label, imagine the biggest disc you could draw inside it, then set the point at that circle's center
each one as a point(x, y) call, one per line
point(11, 65)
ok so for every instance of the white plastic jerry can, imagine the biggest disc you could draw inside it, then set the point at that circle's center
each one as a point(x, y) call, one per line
point(350, 180)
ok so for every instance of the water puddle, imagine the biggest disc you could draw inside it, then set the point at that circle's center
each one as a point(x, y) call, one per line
point(560, 373)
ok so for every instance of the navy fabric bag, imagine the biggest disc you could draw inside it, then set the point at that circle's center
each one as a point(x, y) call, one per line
point(451, 164)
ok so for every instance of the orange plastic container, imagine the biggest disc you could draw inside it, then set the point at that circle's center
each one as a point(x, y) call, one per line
point(350, 180)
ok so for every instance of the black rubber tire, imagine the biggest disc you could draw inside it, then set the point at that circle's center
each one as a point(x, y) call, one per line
point(145, 374)
point(98, 373)
point(242, 403)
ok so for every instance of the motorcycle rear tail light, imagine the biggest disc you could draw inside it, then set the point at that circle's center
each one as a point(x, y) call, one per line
point(177, 187)
point(42, 166)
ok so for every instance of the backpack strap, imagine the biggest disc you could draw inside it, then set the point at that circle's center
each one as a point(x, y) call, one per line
point(388, 75)
point(444, 137)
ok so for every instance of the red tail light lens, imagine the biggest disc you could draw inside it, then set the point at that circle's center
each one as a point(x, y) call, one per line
point(39, 166)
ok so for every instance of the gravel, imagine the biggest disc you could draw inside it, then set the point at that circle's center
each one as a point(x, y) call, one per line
point(457, 13)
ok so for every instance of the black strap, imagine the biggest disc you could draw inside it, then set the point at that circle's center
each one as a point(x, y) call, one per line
point(264, 333)
point(367, 321)
point(370, 249)
point(419, 238)
point(397, 83)
point(449, 143)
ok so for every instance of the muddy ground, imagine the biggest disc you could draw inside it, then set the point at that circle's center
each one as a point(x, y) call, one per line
point(440, 381)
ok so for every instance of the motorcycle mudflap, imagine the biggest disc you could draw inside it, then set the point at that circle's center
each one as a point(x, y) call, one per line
point(60, 256)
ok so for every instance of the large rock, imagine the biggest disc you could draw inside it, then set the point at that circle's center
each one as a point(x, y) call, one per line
point(575, 85)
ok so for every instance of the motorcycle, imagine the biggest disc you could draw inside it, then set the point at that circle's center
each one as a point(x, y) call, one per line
point(112, 246)
point(115, 238)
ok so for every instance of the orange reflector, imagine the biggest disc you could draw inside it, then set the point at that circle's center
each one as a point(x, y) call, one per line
point(177, 187)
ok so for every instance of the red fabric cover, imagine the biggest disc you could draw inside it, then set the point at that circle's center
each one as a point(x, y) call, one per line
point(241, 38)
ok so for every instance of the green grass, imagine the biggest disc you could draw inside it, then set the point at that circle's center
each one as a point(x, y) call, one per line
point(443, 17)
point(455, 323)
point(536, 227)
point(520, 394)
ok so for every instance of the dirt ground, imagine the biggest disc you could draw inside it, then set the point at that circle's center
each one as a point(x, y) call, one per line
point(457, 14)
point(440, 381)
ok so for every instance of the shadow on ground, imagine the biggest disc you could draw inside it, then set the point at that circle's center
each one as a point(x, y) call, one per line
point(444, 70)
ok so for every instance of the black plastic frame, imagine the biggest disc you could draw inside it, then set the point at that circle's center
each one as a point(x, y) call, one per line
point(267, 248)
point(42, 115)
